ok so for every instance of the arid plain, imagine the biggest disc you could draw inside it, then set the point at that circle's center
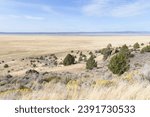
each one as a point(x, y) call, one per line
point(18, 46)
point(38, 61)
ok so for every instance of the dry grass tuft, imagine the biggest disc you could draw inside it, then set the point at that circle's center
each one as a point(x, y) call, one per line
point(100, 90)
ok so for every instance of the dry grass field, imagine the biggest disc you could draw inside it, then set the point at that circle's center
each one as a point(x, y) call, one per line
point(18, 52)
point(18, 46)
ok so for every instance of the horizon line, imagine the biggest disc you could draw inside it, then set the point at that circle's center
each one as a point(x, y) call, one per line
point(77, 32)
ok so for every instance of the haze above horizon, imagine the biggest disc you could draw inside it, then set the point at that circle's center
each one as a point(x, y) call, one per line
point(74, 15)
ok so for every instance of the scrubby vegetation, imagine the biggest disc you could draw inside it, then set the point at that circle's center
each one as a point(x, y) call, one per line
point(34, 65)
point(80, 59)
point(6, 66)
point(69, 59)
point(136, 45)
point(83, 80)
point(145, 49)
point(72, 90)
point(91, 63)
point(106, 52)
point(119, 64)
point(125, 50)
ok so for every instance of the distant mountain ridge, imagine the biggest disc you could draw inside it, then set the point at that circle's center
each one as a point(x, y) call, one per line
point(79, 33)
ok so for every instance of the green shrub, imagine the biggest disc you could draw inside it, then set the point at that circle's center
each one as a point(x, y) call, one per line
point(69, 59)
point(125, 50)
point(83, 55)
point(119, 64)
point(142, 44)
point(6, 66)
point(145, 49)
point(91, 63)
point(34, 65)
point(136, 46)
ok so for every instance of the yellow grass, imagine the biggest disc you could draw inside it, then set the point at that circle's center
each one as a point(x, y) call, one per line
point(121, 90)
point(22, 46)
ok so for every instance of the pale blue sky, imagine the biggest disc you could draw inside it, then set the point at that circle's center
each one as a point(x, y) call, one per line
point(74, 15)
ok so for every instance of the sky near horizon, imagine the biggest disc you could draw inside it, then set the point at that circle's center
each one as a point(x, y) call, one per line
point(74, 15)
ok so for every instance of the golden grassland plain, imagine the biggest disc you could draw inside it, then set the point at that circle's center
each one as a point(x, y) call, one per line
point(18, 46)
